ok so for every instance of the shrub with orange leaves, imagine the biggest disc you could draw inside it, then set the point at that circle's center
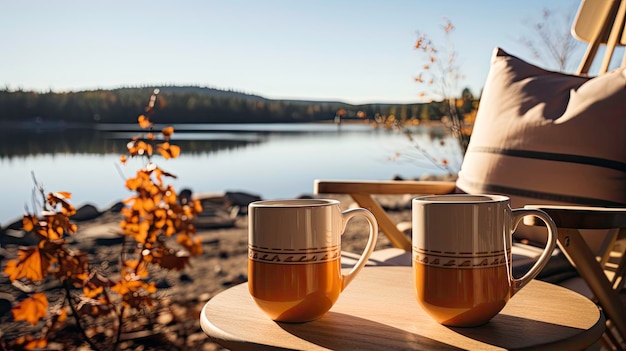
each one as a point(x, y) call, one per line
point(439, 79)
point(154, 217)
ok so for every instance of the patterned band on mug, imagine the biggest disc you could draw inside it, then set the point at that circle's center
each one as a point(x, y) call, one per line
point(294, 256)
point(459, 260)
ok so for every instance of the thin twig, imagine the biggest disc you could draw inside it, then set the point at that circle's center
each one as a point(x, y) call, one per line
point(118, 336)
point(79, 325)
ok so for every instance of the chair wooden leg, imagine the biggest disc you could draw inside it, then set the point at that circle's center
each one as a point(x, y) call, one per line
point(614, 36)
point(574, 247)
point(397, 238)
point(607, 246)
point(590, 53)
point(620, 271)
point(611, 340)
point(595, 41)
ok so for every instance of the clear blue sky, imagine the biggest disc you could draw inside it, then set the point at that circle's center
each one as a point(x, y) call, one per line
point(352, 51)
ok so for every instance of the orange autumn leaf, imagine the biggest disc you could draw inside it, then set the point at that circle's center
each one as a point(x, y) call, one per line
point(75, 268)
point(419, 43)
point(30, 222)
point(126, 286)
point(136, 267)
point(170, 230)
point(160, 218)
point(144, 122)
point(59, 223)
point(123, 159)
point(92, 293)
point(174, 261)
point(62, 315)
point(197, 206)
point(133, 183)
point(27, 265)
point(194, 245)
point(142, 148)
point(159, 174)
point(174, 150)
point(167, 131)
point(28, 342)
point(168, 151)
point(139, 231)
point(196, 248)
point(148, 204)
point(170, 197)
point(62, 195)
point(132, 149)
point(31, 309)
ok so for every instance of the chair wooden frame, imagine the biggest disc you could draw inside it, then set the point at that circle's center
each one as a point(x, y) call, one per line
point(600, 22)
point(605, 280)
point(362, 192)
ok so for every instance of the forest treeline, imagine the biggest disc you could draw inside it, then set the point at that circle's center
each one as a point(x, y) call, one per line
point(189, 104)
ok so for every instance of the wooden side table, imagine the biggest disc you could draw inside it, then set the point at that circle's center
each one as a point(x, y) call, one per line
point(378, 311)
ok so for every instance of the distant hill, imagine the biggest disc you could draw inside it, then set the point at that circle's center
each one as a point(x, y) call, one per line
point(189, 104)
point(215, 92)
point(190, 89)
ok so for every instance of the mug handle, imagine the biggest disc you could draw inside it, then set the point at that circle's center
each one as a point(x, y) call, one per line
point(516, 216)
point(371, 242)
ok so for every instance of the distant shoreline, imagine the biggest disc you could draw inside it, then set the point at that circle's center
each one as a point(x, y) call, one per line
point(57, 126)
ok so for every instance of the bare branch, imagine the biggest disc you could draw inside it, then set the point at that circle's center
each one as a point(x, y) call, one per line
point(549, 39)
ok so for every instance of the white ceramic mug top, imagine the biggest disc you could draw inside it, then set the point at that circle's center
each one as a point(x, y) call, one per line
point(295, 224)
point(465, 224)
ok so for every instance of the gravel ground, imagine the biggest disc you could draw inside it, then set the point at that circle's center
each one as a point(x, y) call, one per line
point(174, 322)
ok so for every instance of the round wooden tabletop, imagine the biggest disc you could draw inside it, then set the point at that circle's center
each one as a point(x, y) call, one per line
point(378, 311)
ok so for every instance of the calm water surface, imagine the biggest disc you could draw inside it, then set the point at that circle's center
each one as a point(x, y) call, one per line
point(270, 160)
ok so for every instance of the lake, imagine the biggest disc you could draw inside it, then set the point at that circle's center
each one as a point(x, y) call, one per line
point(270, 160)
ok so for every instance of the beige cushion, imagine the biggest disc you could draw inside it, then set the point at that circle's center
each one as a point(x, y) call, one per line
point(543, 137)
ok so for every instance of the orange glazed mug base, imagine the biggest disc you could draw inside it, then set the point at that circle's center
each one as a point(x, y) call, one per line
point(472, 298)
point(295, 293)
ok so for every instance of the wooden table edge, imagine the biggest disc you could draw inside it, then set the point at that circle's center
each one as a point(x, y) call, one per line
point(225, 339)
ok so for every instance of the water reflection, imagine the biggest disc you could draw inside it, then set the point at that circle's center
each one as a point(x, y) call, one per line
point(270, 160)
point(20, 143)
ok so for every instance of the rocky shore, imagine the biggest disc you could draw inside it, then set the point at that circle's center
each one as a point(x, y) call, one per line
point(174, 323)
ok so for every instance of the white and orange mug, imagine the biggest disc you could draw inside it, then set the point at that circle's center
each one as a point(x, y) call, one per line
point(294, 256)
point(462, 256)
